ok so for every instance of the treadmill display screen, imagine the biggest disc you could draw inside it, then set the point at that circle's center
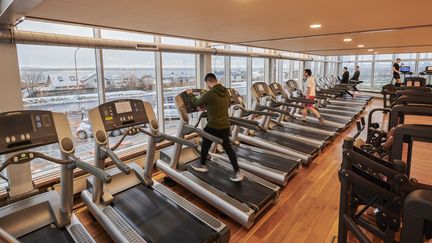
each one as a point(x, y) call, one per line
point(123, 107)
point(405, 69)
point(429, 69)
point(21, 124)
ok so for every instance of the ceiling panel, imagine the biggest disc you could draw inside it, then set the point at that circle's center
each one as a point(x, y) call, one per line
point(241, 21)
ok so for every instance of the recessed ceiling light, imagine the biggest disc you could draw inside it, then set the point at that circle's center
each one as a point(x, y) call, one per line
point(347, 39)
point(375, 52)
point(360, 46)
point(370, 50)
point(315, 26)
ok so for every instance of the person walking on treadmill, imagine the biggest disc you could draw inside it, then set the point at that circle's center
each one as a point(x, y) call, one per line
point(396, 72)
point(356, 75)
point(345, 76)
point(216, 101)
point(310, 95)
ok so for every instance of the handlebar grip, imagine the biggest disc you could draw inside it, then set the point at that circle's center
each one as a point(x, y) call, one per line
point(179, 140)
point(206, 135)
point(124, 168)
point(245, 125)
point(251, 122)
point(99, 173)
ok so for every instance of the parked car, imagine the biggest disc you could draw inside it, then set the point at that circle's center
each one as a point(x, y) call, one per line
point(84, 130)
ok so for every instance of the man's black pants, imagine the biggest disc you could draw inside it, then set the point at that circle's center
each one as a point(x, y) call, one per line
point(224, 135)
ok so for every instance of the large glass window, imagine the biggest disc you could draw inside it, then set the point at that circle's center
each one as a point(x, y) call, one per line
point(178, 73)
point(60, 79)
point(407, 56)
point(218, 67)
point(384, 57)
point(130, 74)
point(365, 75)
point(239, 75)
point(177, 41)
point(426, 55)
point(258, 70)
point(382, 75)
point(364, 58)
point(286, 73)
point(350, 67)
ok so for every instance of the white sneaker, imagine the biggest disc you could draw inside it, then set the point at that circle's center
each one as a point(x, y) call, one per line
point(237, 177)
point(200, 168)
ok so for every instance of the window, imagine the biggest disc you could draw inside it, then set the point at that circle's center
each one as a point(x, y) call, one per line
point(297, 70)
point(178, 74)
point(383, 75)
point(218, 67)
point(286, 70)
point(350, 67)
point(317, 69)
point(426, 55)
point(364, 58)
point(348, 58)
point(238, 48)
point(130, 74)
point(384, 57)
point(239, 75)
point(258, 70)
point(177, 41)
point(407, 56)
point(365, 75)
point(39, 65)
point(123, 35)
point(55, 28)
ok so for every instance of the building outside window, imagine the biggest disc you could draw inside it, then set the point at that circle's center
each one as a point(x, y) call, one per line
point(258, 67)
point(239, 75)
point(218, 67)
point(383, 75)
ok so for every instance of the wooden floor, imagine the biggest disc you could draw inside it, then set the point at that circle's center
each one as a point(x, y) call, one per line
point(307, 210)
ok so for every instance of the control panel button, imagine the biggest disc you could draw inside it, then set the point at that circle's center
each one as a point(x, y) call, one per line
point(8, 140)
point(15, 158)
point(13, 139)
point(22, 137)
point(31, 155)
point(27, 135)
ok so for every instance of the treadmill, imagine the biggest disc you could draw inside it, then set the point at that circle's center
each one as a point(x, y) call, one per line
point(242, 201)
point(134, 207)
point(279, 94)
point(272, 166)
point(342, 122)
point(45, 217)
point(297, 146)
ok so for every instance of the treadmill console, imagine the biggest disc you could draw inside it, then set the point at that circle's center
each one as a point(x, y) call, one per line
point(21, 130)
point(187, 100)
point(236, 98)
point(428, 70)
point(123, 113)
point(276, 89)
point(260, 89)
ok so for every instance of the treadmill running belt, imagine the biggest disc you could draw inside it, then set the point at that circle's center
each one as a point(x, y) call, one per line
point(253, 194)
point(47, 234)
point(269, 160)
point(288, 142)
point(316, 125)
point(157, 219)
point(302, 132)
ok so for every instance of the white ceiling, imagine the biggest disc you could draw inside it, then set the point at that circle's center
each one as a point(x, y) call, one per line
point(279, 24)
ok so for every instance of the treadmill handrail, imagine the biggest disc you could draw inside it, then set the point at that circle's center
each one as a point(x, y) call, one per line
point(189, 129)
point(117, 161)
point(250, 112)
point(263, 107)
point(99, 173)
point(246, 125)
point(279, 103)
point(178, 140)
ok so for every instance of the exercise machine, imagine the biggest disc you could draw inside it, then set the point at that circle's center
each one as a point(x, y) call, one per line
point(45, 217)
point(242, 201)
point(134, 207)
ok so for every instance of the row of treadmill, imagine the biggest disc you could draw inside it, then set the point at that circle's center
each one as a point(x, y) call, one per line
point(270, 140)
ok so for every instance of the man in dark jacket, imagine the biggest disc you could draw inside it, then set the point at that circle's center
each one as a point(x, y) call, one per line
point(356, 75)
point(216, 101)
point(345, 76)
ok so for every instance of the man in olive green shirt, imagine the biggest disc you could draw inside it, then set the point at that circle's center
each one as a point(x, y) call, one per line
point(216, 101)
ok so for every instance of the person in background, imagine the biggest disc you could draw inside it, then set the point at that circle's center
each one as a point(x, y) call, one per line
point(396, 72)
point(216, 101)
point(345, 76)
point(310, 95)
point(356, 75)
